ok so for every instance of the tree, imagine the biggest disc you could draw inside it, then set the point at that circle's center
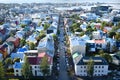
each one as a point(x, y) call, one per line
point(23, 25)
point(108, 47)
point(2, 72)
point(101, 52)
point(107, 57)
point(54, 37)
point(58, 32)
point(117, 36)
point(41, 35)
point(81, 34)
point(90, 67)
point(39, 23)
point(114, 48)
point(44, 67)
point(16, 60)
point(8, 62)
point(22, 42)
point(46, 26)
point(111, 34)
point(26, 71)
point(31, 45)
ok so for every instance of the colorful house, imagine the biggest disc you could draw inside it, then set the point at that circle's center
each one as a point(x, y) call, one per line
point(15, 40)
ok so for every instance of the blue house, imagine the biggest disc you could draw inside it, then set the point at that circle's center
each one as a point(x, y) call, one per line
point(15, 55)
point(18, 69)
point(21, 50)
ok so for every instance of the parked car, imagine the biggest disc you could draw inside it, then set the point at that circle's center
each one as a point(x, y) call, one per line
point(58, 68)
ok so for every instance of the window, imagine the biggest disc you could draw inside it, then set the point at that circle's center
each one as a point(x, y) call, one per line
point(95, 66)
point(17, 74)
point(84, 70)
point(98, 70)
point(35, 67)
point(81, 66)
point(102, 66)
point(35, 73)
point(16, 70)
point(102, 70)
point(30, 67)
point(99, 66)
point(84, 66)
point(95, 70)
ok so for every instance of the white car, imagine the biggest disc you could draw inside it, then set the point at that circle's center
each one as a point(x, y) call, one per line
point(58, 68)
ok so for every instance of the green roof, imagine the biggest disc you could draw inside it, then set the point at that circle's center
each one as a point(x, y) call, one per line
point(75, 55)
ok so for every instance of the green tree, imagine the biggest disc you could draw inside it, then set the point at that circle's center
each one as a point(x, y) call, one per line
point(46, 26)
point(107, 57)
point(58, 32)
point(101, 52)
point(41, 35)
point(22, 42)
point(54, 37)
point(111, 34)
point(26, 71)
point(16, 60)
point(81, 34)
point(117, 36)
point(8, 62)
point(39, 24)
point(44, 67)
point(90, 67)
point(2, 72)
point(108, 47)
point(23, 25)
point(31, 45)
point(114, 48)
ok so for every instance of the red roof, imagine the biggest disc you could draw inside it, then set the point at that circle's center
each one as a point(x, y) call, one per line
point(100, 41)
point(33, 60)
point(3, 31)
point(37, 60)
point(43, 54)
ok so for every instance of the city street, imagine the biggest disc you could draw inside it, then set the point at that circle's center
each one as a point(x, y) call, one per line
point(63, 75)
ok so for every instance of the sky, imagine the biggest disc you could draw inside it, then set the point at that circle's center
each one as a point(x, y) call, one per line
point(56, 1)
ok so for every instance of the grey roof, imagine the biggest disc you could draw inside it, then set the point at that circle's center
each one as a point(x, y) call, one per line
point(97, 61)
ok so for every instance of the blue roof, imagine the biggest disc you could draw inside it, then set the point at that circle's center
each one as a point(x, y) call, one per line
point(18, 65)
point(1, 55)
point(21, 50)
point(15, 55)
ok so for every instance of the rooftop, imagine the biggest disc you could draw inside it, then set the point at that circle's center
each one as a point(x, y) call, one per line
point(97, 61)
point(18, 65)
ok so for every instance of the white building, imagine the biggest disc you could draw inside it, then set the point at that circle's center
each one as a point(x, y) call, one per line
point(17, 69)
point(97, 34)
point(80, 64)
point(111, 43)
point(46, 44)
point(91, 45)
point(100, 44)
point(77, 45)
point(34, 65)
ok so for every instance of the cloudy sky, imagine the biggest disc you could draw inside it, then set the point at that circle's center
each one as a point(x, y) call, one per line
point(58, 1)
